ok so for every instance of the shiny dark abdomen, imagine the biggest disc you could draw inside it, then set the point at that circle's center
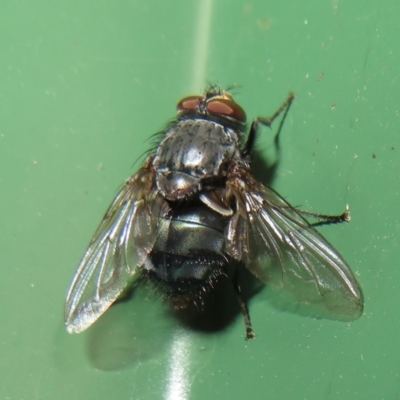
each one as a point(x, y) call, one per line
point(190, 249)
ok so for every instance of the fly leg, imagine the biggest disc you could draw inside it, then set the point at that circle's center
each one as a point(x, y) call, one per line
point(251, 138)
point(325, 219)
point(243, 308)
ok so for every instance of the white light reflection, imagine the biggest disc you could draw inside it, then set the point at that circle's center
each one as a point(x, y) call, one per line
point(178, 386)
point(202, 38)
point(178, 375)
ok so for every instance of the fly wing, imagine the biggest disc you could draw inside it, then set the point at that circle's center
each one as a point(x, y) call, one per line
point(282, 249)
point(118, 249)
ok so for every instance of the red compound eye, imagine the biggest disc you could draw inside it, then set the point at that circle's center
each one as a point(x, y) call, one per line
point(189, 103)
point(227, 108)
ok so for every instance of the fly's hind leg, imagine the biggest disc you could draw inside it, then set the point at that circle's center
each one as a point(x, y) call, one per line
point(243, 308)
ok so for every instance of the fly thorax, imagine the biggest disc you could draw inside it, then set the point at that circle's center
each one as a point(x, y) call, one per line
point(194, 150)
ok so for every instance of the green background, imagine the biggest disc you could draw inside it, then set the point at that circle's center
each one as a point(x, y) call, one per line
point(83, 84)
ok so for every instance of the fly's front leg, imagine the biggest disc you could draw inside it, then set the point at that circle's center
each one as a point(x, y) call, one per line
point(252, 136)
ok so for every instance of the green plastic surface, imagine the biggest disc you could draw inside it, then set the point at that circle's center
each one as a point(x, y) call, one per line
point(83, 84)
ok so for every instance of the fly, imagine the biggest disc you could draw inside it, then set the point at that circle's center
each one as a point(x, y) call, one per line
point(193, 210)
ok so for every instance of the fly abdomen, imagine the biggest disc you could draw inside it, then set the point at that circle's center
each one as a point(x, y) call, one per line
point(190, 249)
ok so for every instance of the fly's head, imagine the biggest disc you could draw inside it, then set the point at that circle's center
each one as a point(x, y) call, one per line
point(214, 105)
